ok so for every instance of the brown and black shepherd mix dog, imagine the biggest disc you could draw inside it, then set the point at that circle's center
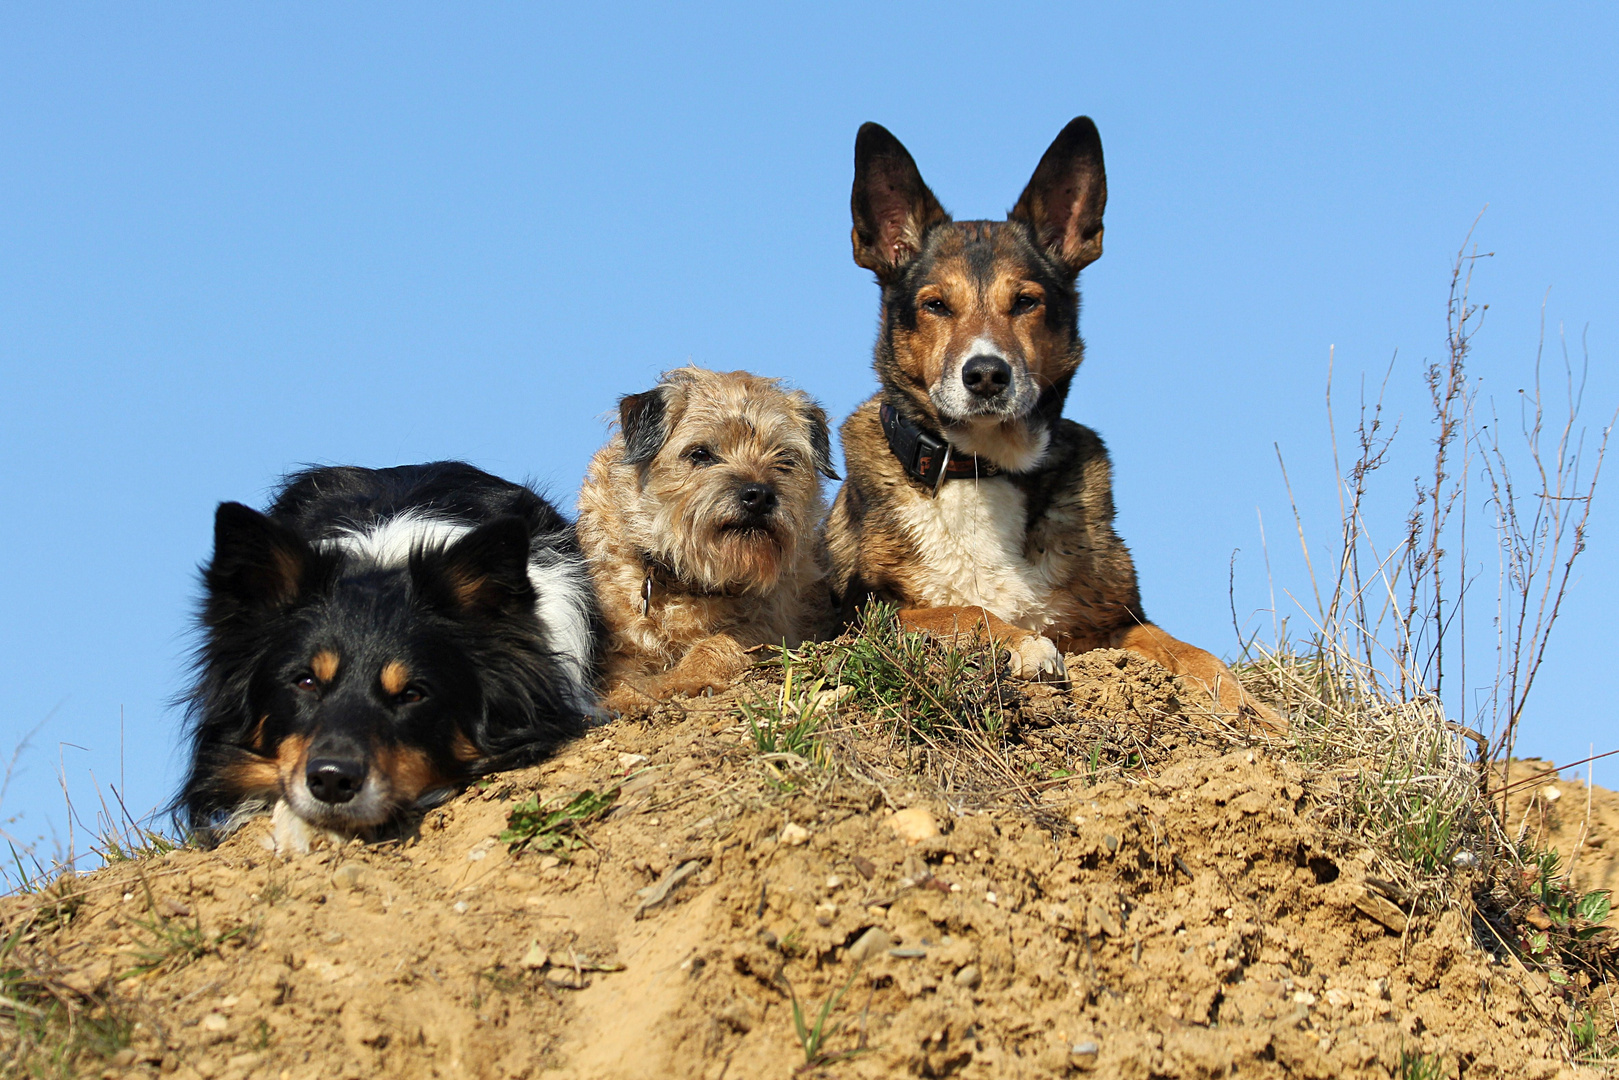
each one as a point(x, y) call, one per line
point(971, 504)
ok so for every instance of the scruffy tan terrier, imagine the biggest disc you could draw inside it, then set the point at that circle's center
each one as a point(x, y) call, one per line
point(698, 520)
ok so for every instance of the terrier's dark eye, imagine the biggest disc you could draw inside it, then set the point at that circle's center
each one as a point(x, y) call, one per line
point(1024, 304)
point(410, 695)
point(700, 455)
point(935, 306)
point(306, 681)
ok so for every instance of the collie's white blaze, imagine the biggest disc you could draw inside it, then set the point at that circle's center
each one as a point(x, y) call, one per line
point(561, 587)
point(389, 543)
point(969, 541)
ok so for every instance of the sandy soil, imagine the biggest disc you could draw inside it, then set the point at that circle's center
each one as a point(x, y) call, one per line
point(1184, 918)
point(1580, 823)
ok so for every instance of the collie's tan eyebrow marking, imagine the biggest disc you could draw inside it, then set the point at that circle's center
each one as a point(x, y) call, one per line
point(395, 676)
point(324, 665)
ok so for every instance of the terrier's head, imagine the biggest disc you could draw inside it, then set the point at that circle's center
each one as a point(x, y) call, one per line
point(727, 492)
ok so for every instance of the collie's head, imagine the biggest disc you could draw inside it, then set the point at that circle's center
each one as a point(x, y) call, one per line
point(354, 689)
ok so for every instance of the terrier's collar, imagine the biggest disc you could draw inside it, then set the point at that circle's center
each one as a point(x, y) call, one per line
point(927, 457)
point(661, 576)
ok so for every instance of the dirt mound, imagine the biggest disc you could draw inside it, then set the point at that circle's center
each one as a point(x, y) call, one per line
point(1123, 890)
point(1580, 823)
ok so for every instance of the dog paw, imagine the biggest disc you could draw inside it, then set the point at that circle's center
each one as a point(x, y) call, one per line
point(1037, 658)
point(692, 685)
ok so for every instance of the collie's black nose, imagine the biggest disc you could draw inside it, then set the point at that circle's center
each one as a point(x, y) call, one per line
point(757, 499)
point(335, 780)
point(986, 376)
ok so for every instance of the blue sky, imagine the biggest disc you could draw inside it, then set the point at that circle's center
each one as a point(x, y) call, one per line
point(237, 238)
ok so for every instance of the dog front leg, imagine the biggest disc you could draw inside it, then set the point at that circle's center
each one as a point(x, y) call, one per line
point(1032, 656)
point(708, 667)
point(1199, 668)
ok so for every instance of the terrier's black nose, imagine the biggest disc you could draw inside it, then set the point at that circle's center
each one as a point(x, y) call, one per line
point(986, 376)
point(757, 499)
point(335, 780)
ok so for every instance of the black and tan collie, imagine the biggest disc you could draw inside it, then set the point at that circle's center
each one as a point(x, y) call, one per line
point(376, 641)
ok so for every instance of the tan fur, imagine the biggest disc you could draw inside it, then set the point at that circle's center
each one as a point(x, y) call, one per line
point(716, 593)
point(395, 675)
point(324, 665)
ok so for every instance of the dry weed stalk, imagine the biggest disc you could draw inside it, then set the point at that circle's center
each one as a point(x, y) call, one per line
point(1388, 647)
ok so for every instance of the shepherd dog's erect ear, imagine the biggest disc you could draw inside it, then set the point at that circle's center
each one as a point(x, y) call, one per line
point(259, 564)
point(891, 206)
point(1066, 196)
point(644, 420)
point(485, 572)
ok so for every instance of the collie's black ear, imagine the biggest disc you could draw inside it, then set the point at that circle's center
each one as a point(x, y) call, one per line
point(891, 206)
point(644, 420)
point(821, 440)
point(258, 562)
point(485, 572)
point(1066, 196)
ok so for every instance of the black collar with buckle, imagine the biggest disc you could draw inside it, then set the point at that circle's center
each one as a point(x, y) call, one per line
point(927, 457)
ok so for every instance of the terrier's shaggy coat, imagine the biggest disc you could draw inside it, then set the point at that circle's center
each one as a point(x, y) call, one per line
point(698, 521)
point(971, 503)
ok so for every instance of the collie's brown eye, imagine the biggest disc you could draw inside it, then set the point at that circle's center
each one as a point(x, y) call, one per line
point(410, 695)
point(306, 681)
point(935, 306)
point(1024, 304)
point(700, 455)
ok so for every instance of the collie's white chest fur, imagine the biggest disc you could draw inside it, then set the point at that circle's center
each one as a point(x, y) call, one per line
point(970, 544)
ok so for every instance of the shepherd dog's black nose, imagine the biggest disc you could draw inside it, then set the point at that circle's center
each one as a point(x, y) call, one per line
point(986, 376)
point(335, 780)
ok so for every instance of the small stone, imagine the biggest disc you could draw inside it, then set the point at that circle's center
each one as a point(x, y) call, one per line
point(1083, 1055)
point(1551, 794)
point(460, 907)
point(173, 908)
point(869, 944)
point(244, 1062)
point(969, 977)
point(825, 914)
point(550, 862)
point(1378, 989)
point(1337, 998)
point(350, 875)
point(914, 825)
point(214, 1022)
point(990, 898)
point(535, 958)
point(794, 834)
point(1303, 997)
point(629, 761)
point(834, 882)
point(1110, 842)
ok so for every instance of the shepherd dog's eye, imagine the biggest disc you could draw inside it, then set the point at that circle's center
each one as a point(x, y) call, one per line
point(1024, 304)
point(306, 681)
point(936, 306)
point(410, 695)
point(700, 455)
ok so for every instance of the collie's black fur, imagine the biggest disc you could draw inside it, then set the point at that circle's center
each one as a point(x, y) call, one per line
point(377, 640)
